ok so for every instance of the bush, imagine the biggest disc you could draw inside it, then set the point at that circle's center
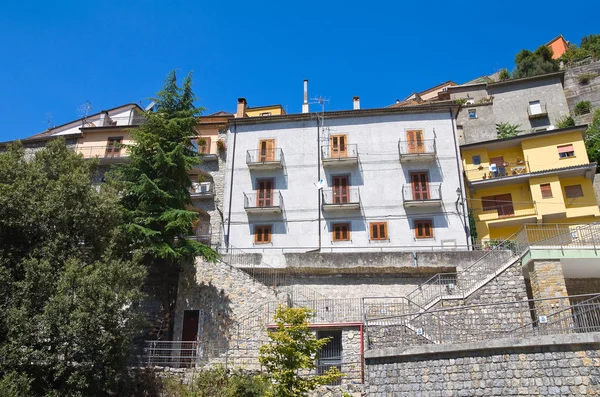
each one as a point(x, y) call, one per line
point(585, 78)
point(583, 107)
point(565, 122)
point(507, 130)
point(15, 385)
point(504, 75)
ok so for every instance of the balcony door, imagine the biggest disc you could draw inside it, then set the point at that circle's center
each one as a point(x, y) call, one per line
point(415, 141)
point(339, 146)
point(499, 161)
point(341, 189)
point(266, 150)
point(504, 204)
point(113, 147)
point(264, 195)
point(420, 185)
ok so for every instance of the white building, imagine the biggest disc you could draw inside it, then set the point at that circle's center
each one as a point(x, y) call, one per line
point(390, 181)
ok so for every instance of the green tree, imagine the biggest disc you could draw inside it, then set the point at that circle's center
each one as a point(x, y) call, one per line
point(293, 348)
point(507, 130)
point(504, 75)
point(589, 46)
point(155, 189)
point(68, 297)
point(535, 63)
point(565, 122)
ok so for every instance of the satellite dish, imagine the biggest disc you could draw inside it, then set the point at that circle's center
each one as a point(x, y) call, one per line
point(150, 106)
point(320, 184)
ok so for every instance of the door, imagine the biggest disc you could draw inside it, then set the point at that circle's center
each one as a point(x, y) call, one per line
point(264, 196)
point(420, 185)
point(341, 189)
point(189, 337)
point(113, 147)
point(415, 141)
point(266, 150)
point(339, 146)
point(330, 354)
point(505, 205)
point(499, 161)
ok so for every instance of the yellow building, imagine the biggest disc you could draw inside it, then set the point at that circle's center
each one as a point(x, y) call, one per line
point(544, 177)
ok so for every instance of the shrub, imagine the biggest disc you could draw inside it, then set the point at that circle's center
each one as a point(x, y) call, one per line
point(507, 130)
point(460, 101)
point(565, 122)
point(14, 384)
point(221, 145)
point(504, 75)
point(583, 107)
point(585, 78)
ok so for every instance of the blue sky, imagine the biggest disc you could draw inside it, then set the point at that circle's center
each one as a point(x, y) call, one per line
point(58, 55)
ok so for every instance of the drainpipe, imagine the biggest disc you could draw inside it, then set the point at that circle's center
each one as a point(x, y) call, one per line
point(231, 188)
point(319, 191)
point(460, 182)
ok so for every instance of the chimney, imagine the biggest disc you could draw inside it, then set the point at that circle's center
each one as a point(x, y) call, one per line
point(241, 108)
point(356, 101)
point(397, 100)
point(305, 103)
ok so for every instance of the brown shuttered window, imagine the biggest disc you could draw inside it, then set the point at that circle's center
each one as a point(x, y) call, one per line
point(546, 190)
point(565, 151)
point(340, 232)
point(423, 228)
point(378, 230)
point(573, 191)
point(262, 234)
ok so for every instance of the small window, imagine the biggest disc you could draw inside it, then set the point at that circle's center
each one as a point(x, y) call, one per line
point(340, 232)
point(266, 114)
point(378, 230)
point(546, 190)
point(565, 151)
point(424, 228)
point(472, 113)
point(262, 234)
point(535, 107)
point(573, 191)
point(476, 160)
point(444, 89)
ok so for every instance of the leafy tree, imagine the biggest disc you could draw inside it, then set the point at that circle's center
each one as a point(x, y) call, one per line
point(293, 348)
point(565, 122)
point(507, 130)
point(535, 63)
point(504, 75)
point(155, 188)
point(473, 226)
point(593, 138)
point(68, 297)
point(589, 46)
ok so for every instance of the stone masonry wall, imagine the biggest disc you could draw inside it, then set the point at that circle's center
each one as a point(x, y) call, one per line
point(548, 281)
point(558, 371)
point(576, 92)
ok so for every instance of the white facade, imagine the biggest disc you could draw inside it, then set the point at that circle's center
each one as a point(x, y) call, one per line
point(378, 177)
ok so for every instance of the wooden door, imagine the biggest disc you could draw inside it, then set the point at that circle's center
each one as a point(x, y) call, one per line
point(420, 185)
point(415, 141)
point(504, 204)
point(113, 147)
point(189, 337)
point(266, 150)
point(264, 196)
point(499, 161)
point(339, 146)
point(341, 190)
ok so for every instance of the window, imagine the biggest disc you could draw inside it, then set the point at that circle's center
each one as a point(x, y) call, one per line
point(420, 185)
point(339, 147)
point(266, 150)
point(565, 151)
point(378, 230)
point(113, 147)
point(341, 189)
point(266, 114)
point(262, 234)
point(472, 113)
point(476, 160)
point(264, 195)
point(500, 202)
point(340, 232)
point(535, 107)
point(415, 141)
point(546, 190)
point(573, 191)
point(423, 228)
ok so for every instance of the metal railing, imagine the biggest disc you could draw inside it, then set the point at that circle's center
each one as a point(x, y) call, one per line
point(543, 111)
point(460, 324)
point(506, 210)
point(415, 148)
point(341, 195)
point(102, 152)
point(268, 199)
point(261, 156)
point(202, 189)
point(510, 168)
point(340, 152)
point(433, 193)
point(120, 121)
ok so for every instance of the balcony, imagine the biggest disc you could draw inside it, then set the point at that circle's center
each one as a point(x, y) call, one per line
point(105, 154)
point(507, 214)
point(263, 202)
point(431, 197)
point(507, 169)
point(265, 159)
point(202, 190)
point(417, 150)
point(341, 199)
point(537, 111)
point(342, 155)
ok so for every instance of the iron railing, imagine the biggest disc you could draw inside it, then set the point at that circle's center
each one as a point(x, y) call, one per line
point(103, 152)
point(433, 193)
point(416, 148)
point(120, 121)
point(340, 152)
point(202, 189)
point(341, 195)
point(262, 156)
point(514, 167)
point(505, 210)
point(267, 199)
point(543, 111)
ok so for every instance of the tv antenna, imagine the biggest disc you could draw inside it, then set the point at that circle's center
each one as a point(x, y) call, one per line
point(83, 111)
point(48, 120)
point(319, 101)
